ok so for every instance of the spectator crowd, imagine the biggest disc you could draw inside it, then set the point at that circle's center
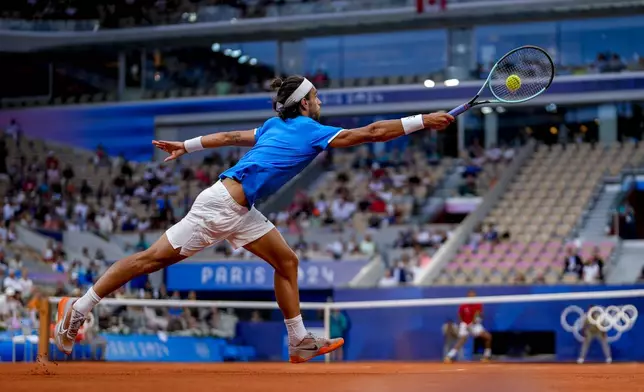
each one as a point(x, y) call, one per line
point(367, 190)
point(130, 13)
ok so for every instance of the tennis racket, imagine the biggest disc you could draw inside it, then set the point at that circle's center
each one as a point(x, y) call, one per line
point(521, 75)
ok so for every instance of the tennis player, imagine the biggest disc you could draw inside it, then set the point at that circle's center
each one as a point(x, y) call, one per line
point(281, 148)
point(471, 316)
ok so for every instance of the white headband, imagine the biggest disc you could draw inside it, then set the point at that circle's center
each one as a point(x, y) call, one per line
point(300, 92)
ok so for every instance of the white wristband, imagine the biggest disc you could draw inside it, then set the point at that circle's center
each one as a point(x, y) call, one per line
point(192, 145)
point(412, 123)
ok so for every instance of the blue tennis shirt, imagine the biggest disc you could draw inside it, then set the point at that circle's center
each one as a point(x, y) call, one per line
point(282, 150)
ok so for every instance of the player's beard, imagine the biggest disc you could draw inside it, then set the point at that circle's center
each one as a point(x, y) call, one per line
point(316, 116)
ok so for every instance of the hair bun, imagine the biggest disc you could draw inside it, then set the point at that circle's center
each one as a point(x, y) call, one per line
point(276, 84)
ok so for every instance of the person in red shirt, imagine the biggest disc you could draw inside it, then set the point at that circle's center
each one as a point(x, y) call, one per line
point(470, 316)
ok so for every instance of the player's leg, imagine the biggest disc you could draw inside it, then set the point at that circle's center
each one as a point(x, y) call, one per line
point(71, 314)
point(463, 334)
point(603, 339)
point(272, 248)
point(584, 348)
point(183, 239)
point(487, 341)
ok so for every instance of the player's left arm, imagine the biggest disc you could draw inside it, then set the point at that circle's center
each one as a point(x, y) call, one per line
point(234, 138)
point(214, 140)
point(382, 131)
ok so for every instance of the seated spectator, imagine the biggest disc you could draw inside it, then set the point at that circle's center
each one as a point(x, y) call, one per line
point(573, 263)
point(423, 238)
point(389, 280)
point(405, 270)
point(591, 272)
point(26, 284)
point(12, 281)
point(352, 246)
point(342, 208)
point(367, 247)
point(60, 266)
point(493, 154)
point(596, 259)
point(468, 188)
point(422, 257)
point(336, 249)
point(10, 307)
point(16, 263)
point(508, 154)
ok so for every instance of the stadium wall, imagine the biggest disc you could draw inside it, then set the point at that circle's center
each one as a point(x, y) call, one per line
point(417, 333)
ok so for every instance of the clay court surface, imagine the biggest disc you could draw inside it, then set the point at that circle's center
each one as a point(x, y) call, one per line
point(358, 377)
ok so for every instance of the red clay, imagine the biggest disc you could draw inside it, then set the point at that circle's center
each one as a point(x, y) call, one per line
point(313, 377)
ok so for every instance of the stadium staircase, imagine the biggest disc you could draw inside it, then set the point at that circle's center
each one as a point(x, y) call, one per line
point(31, 246)
point(629, 264)
point(594, 225)
point(447, 188)
point(75, 241)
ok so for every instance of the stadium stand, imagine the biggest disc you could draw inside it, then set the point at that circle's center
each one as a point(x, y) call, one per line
point(525, 236)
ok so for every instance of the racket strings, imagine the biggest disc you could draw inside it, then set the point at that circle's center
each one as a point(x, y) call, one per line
point(533, 68)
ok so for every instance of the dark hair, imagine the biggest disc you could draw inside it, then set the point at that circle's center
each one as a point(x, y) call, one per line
point(284, 89)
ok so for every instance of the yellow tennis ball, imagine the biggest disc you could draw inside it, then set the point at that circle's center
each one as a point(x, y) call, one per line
point(513, 82)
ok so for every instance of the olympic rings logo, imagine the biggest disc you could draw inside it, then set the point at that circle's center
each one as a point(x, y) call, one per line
point(617, 318)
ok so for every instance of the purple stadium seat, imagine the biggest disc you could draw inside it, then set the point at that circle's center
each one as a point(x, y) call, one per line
point(535, 247)
point(511, 257)
point(522, 267)
point(541, 267)
point(469, 268)
point(502, 248)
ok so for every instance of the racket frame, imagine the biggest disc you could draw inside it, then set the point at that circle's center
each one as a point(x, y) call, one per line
point(473, 102)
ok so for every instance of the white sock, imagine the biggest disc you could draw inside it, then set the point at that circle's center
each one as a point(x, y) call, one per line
point(451, 353)
point(86, 303)
point(487, 353)
point(295, 329)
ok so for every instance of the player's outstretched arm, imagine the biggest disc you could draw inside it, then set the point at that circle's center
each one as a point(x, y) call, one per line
point(214, 140)
point(382, 131)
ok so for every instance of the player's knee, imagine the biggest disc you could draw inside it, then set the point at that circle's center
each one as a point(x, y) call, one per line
point(288, 266)
point(149, 261)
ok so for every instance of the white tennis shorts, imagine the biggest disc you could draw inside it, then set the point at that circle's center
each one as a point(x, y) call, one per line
point(474, 329)
point(215, 216)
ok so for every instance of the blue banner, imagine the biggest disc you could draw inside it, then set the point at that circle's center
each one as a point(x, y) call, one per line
point(151, 348)
point(129, 127)
point(257, 275)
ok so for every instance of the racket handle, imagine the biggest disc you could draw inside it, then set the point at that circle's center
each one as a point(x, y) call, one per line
point(461, 109)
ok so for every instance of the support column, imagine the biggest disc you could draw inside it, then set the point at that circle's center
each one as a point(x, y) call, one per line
point(607, 115)
point(491, 128)
point(121, 76)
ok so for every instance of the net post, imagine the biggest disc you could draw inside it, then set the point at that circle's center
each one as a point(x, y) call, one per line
point(44, 315)
point(327, 328)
